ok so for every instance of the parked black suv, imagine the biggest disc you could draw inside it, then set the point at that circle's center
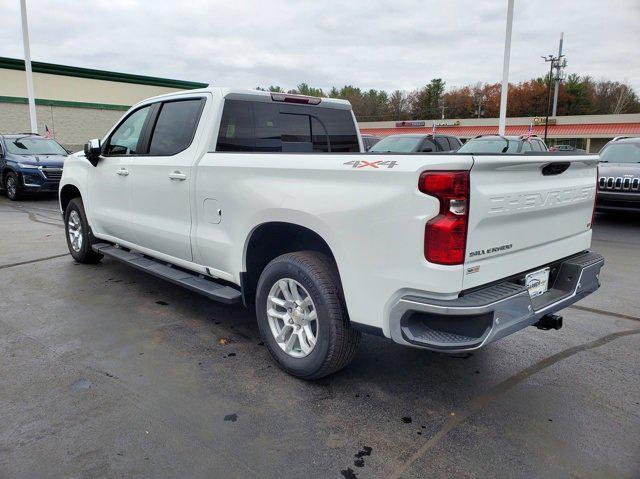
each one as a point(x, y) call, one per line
point(407, 143)
point(619, 176)
point(30, 163)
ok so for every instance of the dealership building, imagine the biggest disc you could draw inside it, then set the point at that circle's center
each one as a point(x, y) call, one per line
point(589, 132)
point(77, 104)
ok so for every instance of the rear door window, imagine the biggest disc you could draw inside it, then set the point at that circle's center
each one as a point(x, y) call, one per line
point(175, 126)
point(275, 127)
point(454, 143)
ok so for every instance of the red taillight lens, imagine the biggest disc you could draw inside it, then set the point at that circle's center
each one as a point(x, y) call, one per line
point(445, 236)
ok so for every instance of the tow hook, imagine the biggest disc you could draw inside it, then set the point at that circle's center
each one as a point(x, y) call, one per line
point(549, 321)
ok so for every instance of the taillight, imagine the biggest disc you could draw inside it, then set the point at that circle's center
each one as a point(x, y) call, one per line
point(445, 236)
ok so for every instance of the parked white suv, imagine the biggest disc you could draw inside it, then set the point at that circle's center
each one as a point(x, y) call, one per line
point(264, 198)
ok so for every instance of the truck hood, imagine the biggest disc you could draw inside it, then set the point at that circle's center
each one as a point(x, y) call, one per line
point(619, 169)
point(51, 161)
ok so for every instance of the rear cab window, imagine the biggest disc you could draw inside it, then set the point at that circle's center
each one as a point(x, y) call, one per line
point(264, 126)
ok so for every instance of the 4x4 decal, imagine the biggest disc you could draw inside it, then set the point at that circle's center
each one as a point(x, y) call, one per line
point(370, 164)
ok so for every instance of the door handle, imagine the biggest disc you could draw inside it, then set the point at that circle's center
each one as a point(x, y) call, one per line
point(177, 175)
point(123, 172)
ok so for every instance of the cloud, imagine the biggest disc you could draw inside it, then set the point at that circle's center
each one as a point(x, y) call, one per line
point(371, 44)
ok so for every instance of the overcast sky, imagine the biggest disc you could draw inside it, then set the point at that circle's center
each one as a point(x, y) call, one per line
point(394, 44)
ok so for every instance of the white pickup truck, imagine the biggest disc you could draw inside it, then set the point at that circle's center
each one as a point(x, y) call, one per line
point(266, 198)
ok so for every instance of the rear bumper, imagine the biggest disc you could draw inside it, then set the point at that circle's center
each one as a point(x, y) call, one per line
point(487, 314)
point(617, 201)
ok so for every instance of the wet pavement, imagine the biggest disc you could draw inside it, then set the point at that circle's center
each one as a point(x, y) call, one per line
point(108, 372)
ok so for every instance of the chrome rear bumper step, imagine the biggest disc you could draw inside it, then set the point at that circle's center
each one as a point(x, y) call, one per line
point(187, 279)
point(480, 317)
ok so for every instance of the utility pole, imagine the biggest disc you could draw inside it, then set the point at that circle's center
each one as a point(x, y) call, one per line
point(502, 123)
point(479, 100)
point(443, 107)
point(27, 67)
point(560, 64)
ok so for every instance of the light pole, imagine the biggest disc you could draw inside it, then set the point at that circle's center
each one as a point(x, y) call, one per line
point(552, 60)
point(27, 67)
point(502, 124)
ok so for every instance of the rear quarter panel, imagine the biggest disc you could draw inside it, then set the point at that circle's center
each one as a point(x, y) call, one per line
point(372, 218)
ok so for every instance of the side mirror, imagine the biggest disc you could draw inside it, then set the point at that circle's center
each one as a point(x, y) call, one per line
point(92, 150)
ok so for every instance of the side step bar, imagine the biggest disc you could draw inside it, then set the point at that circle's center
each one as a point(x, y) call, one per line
point(193, 281)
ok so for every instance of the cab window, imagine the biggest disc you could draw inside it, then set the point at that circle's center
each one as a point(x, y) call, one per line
point(272, 127)
point(126, 137)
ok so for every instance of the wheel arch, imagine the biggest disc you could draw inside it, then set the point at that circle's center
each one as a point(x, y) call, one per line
point(67, 193)
point(5, 171)
point(272, 239)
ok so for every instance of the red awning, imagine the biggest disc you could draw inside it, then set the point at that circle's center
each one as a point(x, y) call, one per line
point(567, 131)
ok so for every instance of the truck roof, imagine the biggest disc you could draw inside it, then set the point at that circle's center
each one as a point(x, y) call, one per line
point(249, 94)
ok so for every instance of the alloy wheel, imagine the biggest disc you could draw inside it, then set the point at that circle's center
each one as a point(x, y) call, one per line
point(293, 318)
point(74, 230)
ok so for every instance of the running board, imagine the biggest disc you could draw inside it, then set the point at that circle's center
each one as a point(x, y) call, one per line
point(189, 280)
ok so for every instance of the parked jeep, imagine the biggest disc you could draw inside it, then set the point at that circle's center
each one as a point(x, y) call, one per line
point(619, 176)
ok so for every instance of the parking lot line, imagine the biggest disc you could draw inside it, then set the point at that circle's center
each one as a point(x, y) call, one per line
point(38, 260)
point(480, 402)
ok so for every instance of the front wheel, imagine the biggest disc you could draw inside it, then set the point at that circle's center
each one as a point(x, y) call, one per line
point(79, 237)
point(301, 315)
point(12, 187)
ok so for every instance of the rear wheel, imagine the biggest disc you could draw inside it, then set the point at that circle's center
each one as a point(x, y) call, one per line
point(12, 186)
point(301, 315)
point(79, 237)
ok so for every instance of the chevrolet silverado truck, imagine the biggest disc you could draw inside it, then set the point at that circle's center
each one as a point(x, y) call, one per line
point(269, 199)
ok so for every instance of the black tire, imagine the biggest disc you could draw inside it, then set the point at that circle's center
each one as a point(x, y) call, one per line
point(83, 253)
point(12, 186)
point(337, 342)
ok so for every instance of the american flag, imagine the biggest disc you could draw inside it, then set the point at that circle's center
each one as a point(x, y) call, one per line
point(47, 132)
point(530, 130)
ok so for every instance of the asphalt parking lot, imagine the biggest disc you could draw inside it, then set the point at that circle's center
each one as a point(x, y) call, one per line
point(108, 372)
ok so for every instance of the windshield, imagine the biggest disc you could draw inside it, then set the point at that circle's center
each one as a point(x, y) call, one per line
point(397, 144)
point(621, 153)
point(34, 146)
point(489, 145)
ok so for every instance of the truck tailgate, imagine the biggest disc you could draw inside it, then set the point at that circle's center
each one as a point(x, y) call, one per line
point(524, 213)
